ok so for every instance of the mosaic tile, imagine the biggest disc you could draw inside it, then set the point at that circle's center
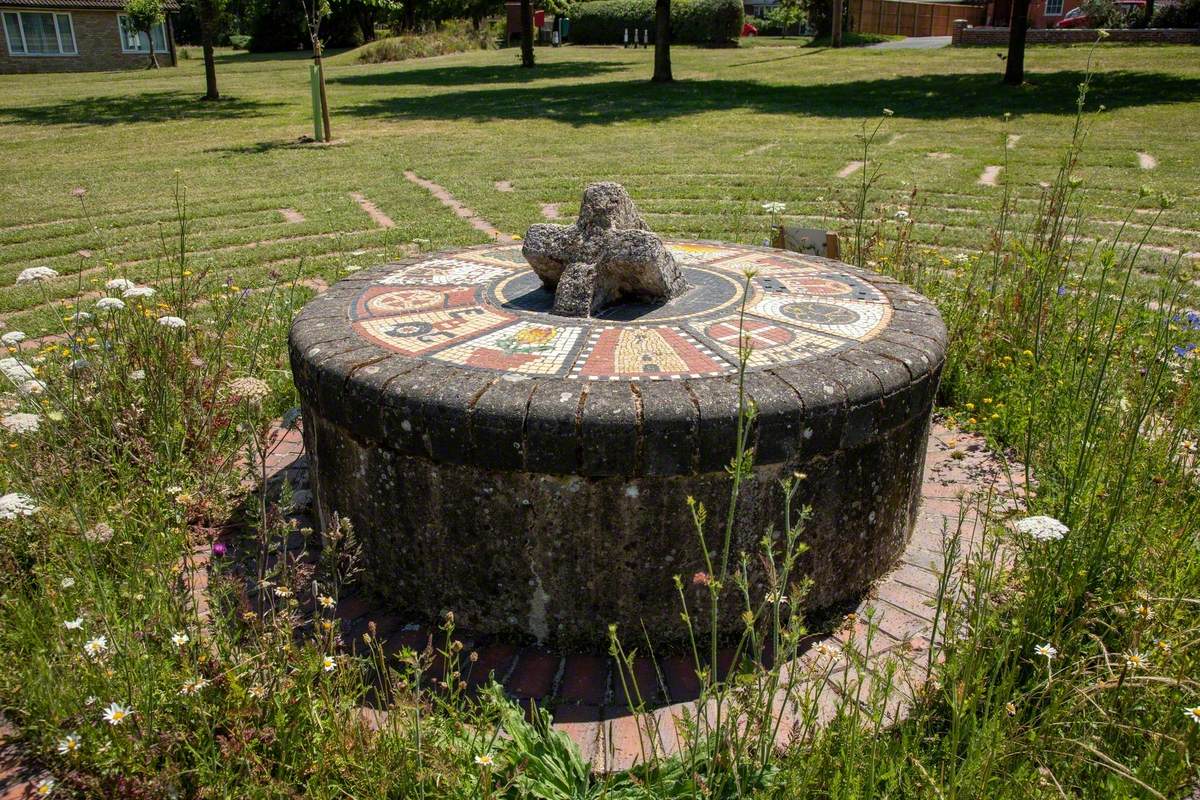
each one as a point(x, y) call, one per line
point(530, 348)
point(657, 352)
point(424, 332)
point(770, 344)
point(485, 309)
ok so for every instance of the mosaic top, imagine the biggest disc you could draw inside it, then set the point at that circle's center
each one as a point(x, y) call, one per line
point(485, 309)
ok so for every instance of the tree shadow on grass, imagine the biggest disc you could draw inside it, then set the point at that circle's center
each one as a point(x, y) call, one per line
point(478, 75)
point(953, 96)
point(133, 108)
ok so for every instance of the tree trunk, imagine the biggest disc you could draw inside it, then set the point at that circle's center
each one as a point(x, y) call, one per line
point(526, 33)
point(208, 24)
point(835, 30)
point(321, 83)
point(662, 41)
point(150, 44)
point(1149, 18)
point(1014, 69)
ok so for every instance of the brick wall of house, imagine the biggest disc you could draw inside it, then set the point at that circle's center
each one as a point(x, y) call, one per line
point(97, 38)
point(964, 34)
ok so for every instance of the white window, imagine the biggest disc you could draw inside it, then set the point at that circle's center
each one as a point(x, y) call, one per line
point(1054, 8)
point(35, 33)
point(134, 41)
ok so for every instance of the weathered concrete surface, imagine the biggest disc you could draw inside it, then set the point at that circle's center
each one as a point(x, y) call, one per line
point(548, 506)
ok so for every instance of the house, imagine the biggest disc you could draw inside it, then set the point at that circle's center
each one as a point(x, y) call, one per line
point(78, 36)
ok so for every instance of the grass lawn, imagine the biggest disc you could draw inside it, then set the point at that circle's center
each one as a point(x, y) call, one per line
point(770, 121)
point(1071, 672)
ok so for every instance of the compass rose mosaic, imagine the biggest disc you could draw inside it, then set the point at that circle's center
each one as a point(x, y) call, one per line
point(485, 309)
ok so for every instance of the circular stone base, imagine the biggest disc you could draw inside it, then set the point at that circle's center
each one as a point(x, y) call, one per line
point(584, 692)
point(533, 472)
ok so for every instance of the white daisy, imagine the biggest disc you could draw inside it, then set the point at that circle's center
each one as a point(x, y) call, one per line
point(901, 215)
point(1042, 528)
point(116, 713)
point(485, 760)
point(13, 338)
point(326, 601)
point(1193, 713)
point(110, 304)
point(73, 624)
point(96, 647)
point(44, 787)
point(1136, 660)
point(328, 663)
point(15, 505)
point(20, 423)
point(69, 744)
point(1047, 650)
point(67, 582)
point(171, 322)
point(179, 639)
point(34, 274)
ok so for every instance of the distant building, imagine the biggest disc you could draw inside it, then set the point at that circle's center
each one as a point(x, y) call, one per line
point(78, 36)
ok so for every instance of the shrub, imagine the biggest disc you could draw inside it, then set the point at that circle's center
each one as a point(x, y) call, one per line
point(1185, 14)
point(710, 22)
point(457, 37)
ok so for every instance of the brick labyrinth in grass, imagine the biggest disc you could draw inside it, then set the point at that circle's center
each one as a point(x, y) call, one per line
point(485, 309)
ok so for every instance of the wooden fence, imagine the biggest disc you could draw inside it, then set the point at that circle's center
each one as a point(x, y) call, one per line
point(910, 19)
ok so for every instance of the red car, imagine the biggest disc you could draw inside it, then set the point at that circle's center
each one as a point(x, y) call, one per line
point(749, 30)
point(1076, 18)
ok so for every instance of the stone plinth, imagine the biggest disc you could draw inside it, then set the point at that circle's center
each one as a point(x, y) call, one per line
point(531, 472)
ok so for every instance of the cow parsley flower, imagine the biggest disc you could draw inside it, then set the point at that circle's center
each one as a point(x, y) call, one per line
point(110, 304)
point(96, 647)
point(15, 371)
point(35, 274)
point(171, 322)
point(20, 423)
point(13, 338)
point(32, 387)
point(774, 207)
point(137, 291)
point(116, 713)
point(81, 316)
point(73, 624)
point(1042, 528)
point(15, 505)
point(137, 375)
point(69, 744)
point(100, 533)
point(120, 284)
point(252, 390)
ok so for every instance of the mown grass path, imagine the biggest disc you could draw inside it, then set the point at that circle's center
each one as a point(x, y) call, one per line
point(738, 128)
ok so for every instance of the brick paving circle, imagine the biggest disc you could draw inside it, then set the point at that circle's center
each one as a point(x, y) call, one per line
point(964, 488)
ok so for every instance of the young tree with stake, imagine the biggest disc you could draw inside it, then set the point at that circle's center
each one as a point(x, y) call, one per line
point(314, 12)
point(143, 16)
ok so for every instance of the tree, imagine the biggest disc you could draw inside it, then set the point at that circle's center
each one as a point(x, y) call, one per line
point(314, 12)
point(527, 34)
point(785, 14)
point(143, 16)
point(662, 41)
point(1014, 69)
point(835, 31)
point(211, 13)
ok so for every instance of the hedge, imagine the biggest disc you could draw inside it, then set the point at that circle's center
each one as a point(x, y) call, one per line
point(710, 22)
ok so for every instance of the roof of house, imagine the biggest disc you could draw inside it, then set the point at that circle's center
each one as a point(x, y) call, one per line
point(115, 5)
